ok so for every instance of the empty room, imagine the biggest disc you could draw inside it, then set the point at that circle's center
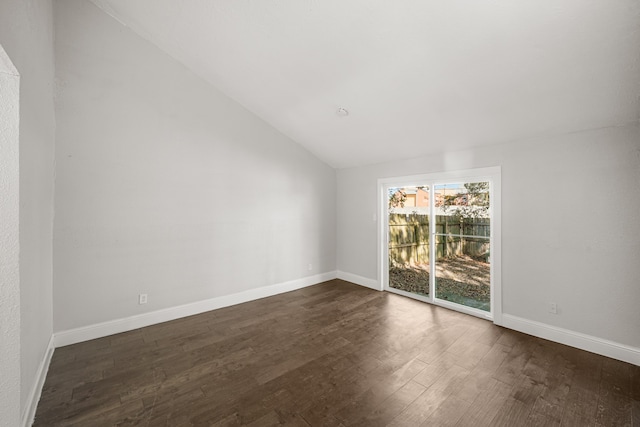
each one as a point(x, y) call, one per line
point(319, 213)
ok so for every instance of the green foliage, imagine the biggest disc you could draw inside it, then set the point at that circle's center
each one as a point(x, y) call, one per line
point(472, 203)
point(397, 198)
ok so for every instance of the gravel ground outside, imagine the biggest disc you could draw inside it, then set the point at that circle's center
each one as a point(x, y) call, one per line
point(460, 279)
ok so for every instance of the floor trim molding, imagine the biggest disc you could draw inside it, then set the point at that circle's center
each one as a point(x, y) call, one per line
point(541, 330)
point(574, 339)
point(359, 280)
point(99, 330)
point(31, 404)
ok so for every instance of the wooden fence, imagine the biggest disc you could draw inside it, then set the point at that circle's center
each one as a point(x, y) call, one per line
point(409, 238)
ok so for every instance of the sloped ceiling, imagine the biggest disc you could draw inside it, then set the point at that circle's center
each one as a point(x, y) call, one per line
point(417, 76)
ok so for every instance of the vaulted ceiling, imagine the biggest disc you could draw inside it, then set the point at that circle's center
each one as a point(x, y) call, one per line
point(416, 76)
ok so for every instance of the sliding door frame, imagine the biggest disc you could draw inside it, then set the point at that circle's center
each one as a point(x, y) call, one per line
point(491, 175)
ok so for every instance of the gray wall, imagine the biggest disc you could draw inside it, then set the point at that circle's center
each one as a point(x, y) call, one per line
point(569, 225)
point(26, 33)
point(9, 243)
point(165, 186)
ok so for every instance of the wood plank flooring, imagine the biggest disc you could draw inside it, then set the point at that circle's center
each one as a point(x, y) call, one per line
point(334, 354)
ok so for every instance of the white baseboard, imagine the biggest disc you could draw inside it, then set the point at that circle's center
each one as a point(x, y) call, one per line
point(573, 339)
point(541, 330)
point(36, 390)
point(359, 280)
point(117, 326)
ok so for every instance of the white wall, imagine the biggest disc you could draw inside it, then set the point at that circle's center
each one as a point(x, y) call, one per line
point(167, 187)
point(570, 226)
point(26, 33)
point(9, 243)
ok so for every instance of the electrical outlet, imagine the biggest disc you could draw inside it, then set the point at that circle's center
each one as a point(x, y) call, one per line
point(310, 267)
point(142, 299)
point(553, 308)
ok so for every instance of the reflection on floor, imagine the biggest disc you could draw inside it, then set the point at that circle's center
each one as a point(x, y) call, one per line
point(334, 354)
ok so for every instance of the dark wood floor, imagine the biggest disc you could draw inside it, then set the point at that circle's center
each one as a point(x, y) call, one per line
point(329, 355)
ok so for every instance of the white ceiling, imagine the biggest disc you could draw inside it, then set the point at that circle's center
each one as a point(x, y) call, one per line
point(417, 76)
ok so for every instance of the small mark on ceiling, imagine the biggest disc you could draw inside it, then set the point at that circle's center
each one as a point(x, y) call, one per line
point(342, 112)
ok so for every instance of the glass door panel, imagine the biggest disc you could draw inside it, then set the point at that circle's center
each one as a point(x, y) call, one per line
point(462, 244)
point(409, 239)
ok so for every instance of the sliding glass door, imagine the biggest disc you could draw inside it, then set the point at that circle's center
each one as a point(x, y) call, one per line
point(437, 240)
point(408, 220)
point(463, 244)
